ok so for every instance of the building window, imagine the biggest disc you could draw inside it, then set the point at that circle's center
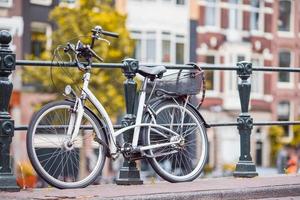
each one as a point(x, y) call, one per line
point(179, 53)
point(180, 2)
point(284, 19)
point(209, 74)
point(138, 49)
point(151, 47)
point(255, 15)
point(234, 14)
point(41, 2)
point(284, 61)
point(211, 13)
point(163, 47)
point(283, 114)
point(68, 1)
point(166, 47)
point(5, 3)
point(257, 78)
point(39, 38)
point(180, 49)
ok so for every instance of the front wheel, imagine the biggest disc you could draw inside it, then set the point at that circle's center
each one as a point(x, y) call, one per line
point(185, 160)
point(58, 161)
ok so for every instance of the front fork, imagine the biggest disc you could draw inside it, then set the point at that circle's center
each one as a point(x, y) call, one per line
point(78, 109)
point(75, 119)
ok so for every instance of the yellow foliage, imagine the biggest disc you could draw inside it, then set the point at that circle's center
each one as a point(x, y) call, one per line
point(78, 22)
point(275, 134)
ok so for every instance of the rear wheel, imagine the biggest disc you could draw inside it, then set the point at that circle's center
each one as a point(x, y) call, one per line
point(60, 163)
point(183, 161)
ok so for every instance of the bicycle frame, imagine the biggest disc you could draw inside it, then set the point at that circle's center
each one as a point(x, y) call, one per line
point(86, 93)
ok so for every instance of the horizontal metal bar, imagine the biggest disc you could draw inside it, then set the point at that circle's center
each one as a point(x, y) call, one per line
point(118, 126)
point(65, 64)
point(223, 124)
point(270, 123)
point(276, 69)
point(25, 127)
point(255, 68)
point(96, 65)
point(168, 66)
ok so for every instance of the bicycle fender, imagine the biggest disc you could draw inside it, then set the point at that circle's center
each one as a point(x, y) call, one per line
point(201, 117)
point(161, 99)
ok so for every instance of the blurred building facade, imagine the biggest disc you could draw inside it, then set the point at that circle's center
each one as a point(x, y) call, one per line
point(31, 30)
point(160, 29)
point(265, 32)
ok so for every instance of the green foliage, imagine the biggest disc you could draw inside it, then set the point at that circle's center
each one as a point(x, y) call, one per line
point(275, 134)
point(72, 23)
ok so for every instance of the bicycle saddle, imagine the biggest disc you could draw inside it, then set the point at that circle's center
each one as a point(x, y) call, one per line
point(152, 72)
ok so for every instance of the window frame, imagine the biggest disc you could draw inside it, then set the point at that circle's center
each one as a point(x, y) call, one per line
point(216, 74)
point(289, 33)
point(217, 7)
point(166, 36)
point(42, 2)
point(48, 32)
point(291, 118)
point(7, 4)
point(159, 36)
point(238, 8)
point(260, 93)
point(261, 19)
point(289, 84)
point(151, 35)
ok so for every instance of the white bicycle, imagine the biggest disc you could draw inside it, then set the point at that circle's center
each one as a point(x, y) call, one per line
point(67, 143)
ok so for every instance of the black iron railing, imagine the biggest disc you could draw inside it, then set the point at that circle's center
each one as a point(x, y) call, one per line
point(128, 174)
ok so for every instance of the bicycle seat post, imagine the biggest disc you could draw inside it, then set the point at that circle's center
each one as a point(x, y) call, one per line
point(129, 174)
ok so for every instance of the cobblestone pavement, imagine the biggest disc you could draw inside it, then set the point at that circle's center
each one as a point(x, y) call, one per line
point(267, 187)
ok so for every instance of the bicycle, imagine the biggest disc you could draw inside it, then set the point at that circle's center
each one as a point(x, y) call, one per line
point(168, 131)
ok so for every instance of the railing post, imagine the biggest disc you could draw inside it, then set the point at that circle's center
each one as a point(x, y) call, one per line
point(245, 167)
point(7, 65)
point(129, 174)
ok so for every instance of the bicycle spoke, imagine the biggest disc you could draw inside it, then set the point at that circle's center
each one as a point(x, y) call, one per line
point(64, 165)
point(186, 163)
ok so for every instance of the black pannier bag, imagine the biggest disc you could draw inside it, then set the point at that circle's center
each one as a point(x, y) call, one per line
point(180, 83)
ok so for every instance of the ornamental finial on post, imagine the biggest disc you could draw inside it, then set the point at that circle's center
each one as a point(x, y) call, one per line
point(7, 57)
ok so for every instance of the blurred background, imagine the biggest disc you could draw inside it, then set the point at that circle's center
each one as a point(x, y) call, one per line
point(264, 32)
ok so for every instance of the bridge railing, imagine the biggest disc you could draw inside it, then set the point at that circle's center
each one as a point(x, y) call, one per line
point(129, 174)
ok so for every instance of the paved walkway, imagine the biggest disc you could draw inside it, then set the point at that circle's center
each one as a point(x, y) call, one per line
point(267, 187)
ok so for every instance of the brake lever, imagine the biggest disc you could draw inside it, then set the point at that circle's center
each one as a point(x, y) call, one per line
point(105, 40)
point(69, 47)
point(94, 53)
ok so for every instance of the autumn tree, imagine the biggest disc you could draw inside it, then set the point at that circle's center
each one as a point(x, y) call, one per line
point(76, 23)
point(296, 135)
point(275, 136)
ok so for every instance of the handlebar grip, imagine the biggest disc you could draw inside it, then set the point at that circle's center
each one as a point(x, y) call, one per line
point(110, 34)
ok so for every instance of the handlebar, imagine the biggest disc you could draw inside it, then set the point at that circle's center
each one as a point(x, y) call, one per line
point(98, 31)
point(110, 34)
point(86, 51)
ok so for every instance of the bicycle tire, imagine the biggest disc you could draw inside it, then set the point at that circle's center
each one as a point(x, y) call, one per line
point(157, 163)
point(84, 149)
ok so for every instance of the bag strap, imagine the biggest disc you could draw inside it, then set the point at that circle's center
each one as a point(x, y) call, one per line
point(203, 83)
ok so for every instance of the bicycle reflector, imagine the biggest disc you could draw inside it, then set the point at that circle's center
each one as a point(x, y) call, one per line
point(68, 90)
